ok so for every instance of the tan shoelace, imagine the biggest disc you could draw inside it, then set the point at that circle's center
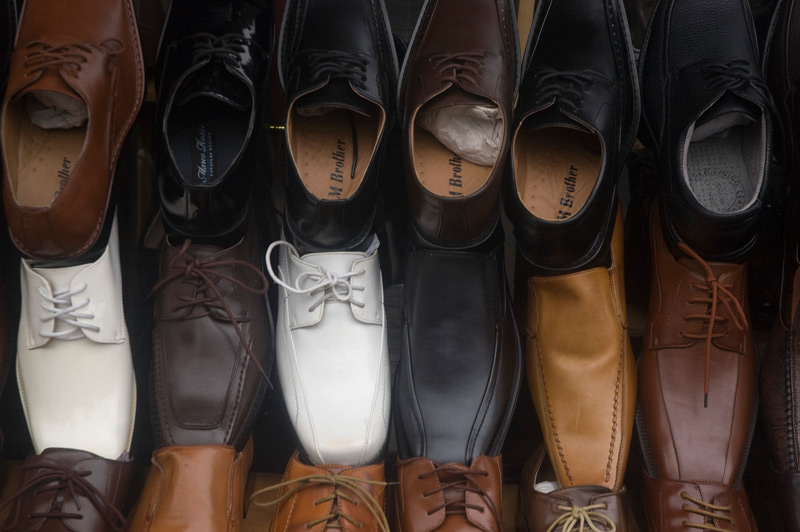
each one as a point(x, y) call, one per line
point(581, 517)
point(718, 293)
point(707, 511)
point(344, 487)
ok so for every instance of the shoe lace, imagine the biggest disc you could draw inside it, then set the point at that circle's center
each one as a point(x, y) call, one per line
point(733, 75)
point(70, 57)
point(455, 67)
point(708, 511)
point(229, 47)
point(462, 481)
point(203, 275)
point(582, 517)
point(339, 65)
point(561, 87)
point(344, 487)
point(717, 293)
point(58, 478)
point(333, 287)
point(68, 313)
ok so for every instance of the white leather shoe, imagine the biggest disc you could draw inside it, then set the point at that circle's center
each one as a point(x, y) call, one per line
point(332, 352)
point(74, 363)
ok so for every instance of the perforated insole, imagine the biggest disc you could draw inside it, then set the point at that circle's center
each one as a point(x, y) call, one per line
point(332, 151)
point(556, 170)
point(443, 172)
point(718, 174)
point(45, 158)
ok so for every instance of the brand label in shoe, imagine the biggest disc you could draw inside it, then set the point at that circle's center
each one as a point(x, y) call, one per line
point(203, 156)
point(337, 176)
point(457, 180)
point(567, 201)
point(63, 176)
point(717, 189)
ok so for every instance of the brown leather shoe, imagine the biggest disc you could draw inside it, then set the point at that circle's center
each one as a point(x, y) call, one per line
point(697, 380)
point(87, 59)
point(465, 64)
point(64, 490)
point(328, 497)
point(544, 507)
point(581, 370)
point(449, 497)
point(212, 326)
point(199, 488)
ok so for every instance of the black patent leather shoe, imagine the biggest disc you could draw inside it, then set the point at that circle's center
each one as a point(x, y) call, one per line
point(339, 72)
point(212, 80)
point(576, 120)
point(710, 116)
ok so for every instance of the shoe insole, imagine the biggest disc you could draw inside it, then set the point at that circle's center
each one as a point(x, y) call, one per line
point(441, 171)
point(556, 170)
point(718, 172)
point(332, 151)
point(45, 159)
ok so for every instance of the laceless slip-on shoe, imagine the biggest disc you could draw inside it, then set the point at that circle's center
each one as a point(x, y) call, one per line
point(75, 85)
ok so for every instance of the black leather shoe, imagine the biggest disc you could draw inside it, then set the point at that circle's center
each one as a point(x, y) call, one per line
point(212, 81)
point(339, 72)
point(461, 364)
point(577, 116)
point(710, 117)
point(8, 22)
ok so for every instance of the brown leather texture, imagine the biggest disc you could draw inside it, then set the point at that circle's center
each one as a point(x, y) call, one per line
point(671, 504)
point(449, 497)
point(205, 384)
point(199, 488)
point(64, 490)
point(107, 75)
point(581, 370)
point(328, 497)
point(445, 219)
point(683, 439)
point(563, 509)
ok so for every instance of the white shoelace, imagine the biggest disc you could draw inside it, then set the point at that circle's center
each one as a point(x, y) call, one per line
point(334, 287)
point(68, 313)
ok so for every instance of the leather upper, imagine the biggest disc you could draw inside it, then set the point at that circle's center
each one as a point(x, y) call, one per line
point(581, 370)
point(64, 490)
point(698, 54)
point(218, 55)
point(78, 393)
point(110, 82)
point(336, 56)
point(460, 368)
point(785, 488)
point(207, 387)
point(332, 354)
point(579, 74)
point(683, 439)
point(459, 220)
point(196, 487)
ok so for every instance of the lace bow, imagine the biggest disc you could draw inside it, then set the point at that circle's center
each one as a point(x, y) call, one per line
point(581, 517)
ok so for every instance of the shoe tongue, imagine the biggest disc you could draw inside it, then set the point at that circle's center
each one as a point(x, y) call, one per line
point(337, 262)
point(66, 457)
point(215, 84)
point(729, 111)
point(454, 96)
point(60, 278)
point(336, 94)
point(553, 117)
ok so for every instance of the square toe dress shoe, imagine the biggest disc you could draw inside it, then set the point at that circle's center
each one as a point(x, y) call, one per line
point(75, 85)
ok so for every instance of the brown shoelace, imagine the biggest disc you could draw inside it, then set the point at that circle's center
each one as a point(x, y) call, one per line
point(57, 478)
point(708, 511)
point(200, 273)
point(458, 66)
point(718, 293)
point(344, 487)
point(464, 483)
point(71, 57)
point(583, 516)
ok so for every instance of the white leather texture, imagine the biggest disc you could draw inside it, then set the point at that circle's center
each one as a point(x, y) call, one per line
point(77, 393)
point(332, 356)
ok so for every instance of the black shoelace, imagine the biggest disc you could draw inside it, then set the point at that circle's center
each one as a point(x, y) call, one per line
point(339, 65)
point(562, 88)
point(228, 48)
point(734, 75)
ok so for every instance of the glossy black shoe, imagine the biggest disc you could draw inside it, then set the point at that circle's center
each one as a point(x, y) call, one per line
point(339, 71)
point(710, 117)
point(212, 82)
point(576, 120)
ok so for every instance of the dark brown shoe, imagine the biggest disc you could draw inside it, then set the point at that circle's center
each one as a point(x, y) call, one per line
point(75, 85)
point(64, 490)
point(463, 56)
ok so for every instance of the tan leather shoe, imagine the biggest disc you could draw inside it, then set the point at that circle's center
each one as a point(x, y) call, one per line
point(327, 497)
point(198, 488)
point(449, 497)
point(581, 370)
point(75, 85)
